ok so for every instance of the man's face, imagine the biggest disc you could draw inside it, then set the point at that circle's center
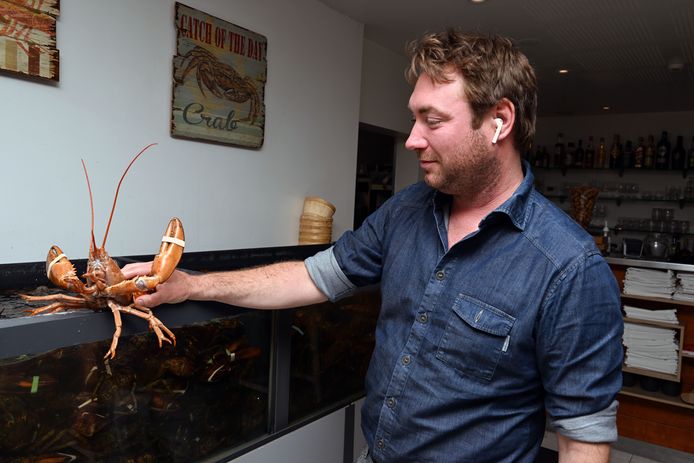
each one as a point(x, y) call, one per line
point(456, 159)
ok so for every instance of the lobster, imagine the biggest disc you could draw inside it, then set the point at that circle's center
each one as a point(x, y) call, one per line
point(105, 284)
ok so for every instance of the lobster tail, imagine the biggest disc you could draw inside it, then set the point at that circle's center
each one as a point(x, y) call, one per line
point(113, 209)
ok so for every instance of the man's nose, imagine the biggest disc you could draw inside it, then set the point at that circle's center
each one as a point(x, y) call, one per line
point(415, 141)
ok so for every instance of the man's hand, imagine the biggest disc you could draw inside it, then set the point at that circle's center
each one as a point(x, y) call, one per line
point(573, 451)
point(175, 289)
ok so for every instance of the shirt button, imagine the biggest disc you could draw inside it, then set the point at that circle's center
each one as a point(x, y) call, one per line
point(380, 444)
point(406, 360)
point(440, 275)
point(390, 402)
point(423, 318)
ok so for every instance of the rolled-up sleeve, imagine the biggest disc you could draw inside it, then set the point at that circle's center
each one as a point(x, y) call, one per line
point(328, 276)
point(598, 427)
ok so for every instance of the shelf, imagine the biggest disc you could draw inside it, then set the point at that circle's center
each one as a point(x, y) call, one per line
point(635, 391)
point(620, 171)
point(651, 373)
point(620, 199)
point(658, 299)
point(648, 263)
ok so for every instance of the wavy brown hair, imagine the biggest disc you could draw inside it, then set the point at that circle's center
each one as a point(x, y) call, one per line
point(492, 67)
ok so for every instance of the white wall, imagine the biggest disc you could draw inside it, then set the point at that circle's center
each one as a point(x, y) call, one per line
point(114, 97)
point(319, 442)
point(384, 97)
point(384, 91)
point(359, 439)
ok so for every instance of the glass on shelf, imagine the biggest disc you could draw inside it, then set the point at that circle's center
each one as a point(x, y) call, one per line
point(684, 226)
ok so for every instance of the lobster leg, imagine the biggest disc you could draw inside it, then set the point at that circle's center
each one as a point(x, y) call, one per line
point(115, 309)
point(160, 330)
point(55, 307)
point(58, 303)
point(164, 264)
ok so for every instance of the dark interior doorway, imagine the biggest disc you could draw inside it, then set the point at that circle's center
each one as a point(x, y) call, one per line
point(375, 170)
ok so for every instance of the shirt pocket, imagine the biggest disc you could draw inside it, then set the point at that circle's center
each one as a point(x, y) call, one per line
point(475, 337)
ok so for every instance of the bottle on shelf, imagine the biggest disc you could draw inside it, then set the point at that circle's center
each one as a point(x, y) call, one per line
point(579, 155)
point(678, 155)
point(559, 152)
point(606, 238)
point(569, 155)
point(545, 157)
point(639, 153)
point(538, 160)
point(589, 155)
point(601, 155)
point(627, 155)
point(649, 154)
point(690, 156)
point(615, 153)
point(529, 153)
point(662, 155)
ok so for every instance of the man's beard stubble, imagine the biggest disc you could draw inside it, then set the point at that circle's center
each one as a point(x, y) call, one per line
point(471, 171)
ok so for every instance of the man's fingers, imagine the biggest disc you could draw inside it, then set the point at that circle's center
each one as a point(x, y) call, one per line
point(136, 269)
point(148, 300)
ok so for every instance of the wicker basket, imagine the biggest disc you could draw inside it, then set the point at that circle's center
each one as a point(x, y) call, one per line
point(316, 222)
point(314, 205)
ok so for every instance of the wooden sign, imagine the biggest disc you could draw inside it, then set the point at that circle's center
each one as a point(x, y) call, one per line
point(219, 81)
point(27, 37)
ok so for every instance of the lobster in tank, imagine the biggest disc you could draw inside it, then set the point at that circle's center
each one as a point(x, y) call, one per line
point(104, 285)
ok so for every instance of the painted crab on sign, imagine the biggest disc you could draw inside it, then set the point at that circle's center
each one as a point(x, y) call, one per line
point(105, 284)
point(221, 79)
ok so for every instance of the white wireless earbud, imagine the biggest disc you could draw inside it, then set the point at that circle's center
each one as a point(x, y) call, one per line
point(499, 125)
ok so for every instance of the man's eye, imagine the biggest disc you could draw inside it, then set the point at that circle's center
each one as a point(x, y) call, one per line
point(433, 122)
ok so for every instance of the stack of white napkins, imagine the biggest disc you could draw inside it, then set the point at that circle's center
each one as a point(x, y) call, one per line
point(685, 287)
point(651, 348)
point(663, 316)
point(647, 282)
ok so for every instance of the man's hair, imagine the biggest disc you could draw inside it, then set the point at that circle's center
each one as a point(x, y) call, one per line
point(492, 68)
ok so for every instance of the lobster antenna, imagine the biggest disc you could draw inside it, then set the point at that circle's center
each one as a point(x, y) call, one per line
point(91, 201)
point(113, 209)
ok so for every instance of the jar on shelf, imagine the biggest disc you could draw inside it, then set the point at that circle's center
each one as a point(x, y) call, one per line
point(656, 245)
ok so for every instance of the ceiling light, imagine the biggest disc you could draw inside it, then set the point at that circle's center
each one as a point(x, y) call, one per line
point(606, 108)
point(563, 71)
point(477, 1)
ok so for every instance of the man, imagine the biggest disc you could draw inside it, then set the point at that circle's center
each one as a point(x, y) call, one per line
point(498, 310)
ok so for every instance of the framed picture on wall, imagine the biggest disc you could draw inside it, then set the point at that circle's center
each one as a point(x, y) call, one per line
point(219, 75)
point(28, 37)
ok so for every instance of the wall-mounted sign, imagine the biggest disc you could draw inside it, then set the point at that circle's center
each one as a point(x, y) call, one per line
point(27, 37)
point(219, 80)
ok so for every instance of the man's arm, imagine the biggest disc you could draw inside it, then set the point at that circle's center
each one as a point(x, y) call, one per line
point(276, 286)
point(573, 451)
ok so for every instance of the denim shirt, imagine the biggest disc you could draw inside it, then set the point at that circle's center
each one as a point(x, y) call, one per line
point(477, 344)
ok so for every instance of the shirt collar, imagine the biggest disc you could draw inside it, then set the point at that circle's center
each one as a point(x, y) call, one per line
point(515, 207)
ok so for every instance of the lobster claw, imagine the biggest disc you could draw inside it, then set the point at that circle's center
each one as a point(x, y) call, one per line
point(170, 251)
point(62, 273)
point(165, 262)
